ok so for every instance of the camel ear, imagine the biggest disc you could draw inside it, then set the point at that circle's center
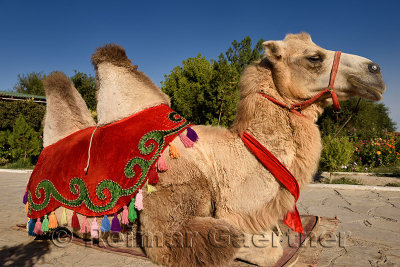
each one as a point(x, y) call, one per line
point(273, 50)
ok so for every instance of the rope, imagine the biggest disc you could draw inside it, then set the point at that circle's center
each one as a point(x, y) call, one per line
point(90, 146)
point(355, 111)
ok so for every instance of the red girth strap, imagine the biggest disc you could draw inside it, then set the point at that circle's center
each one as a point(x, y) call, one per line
point(297, 107)
point(281, 173)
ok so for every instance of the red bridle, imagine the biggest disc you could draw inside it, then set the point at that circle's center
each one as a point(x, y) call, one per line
point(297, 107)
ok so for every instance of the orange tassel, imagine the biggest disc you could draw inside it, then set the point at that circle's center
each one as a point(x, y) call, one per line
point(53, 224)
point(173, 151)
point(26, 207)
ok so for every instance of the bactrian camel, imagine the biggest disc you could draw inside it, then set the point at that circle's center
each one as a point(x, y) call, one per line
point(219, 185)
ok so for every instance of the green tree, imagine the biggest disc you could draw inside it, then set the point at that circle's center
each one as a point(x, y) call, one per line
point(24, 142)
point(31, 83)
point(369, 120)
point(5, 153)
point(9, 112)
point(206, 92)
point(86, 86)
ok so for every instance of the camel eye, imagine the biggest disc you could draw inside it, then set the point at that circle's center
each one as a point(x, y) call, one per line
point(315, 59)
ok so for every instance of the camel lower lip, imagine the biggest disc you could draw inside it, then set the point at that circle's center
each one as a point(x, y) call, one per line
point(373, 92)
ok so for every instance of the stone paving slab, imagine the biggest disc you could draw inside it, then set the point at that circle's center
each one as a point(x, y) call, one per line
point(370, 218)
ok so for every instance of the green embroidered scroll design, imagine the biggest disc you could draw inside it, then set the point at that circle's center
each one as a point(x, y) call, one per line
point(152, 142)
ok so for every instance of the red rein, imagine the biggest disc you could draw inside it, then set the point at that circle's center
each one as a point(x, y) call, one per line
point(297, 107)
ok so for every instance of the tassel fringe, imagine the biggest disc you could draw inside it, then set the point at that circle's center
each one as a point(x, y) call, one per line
point(85, 226)
point(125, 216)
point(115, 225)
point(186, 141)
point(191, 134)
point(64, 220)
point(162, 164)
point(94, 232)
point(75, 221)
point(45, 224)
point(150, 188)
point(139, 200)
point(53, 224)
point(173, 151)
point(105, 224)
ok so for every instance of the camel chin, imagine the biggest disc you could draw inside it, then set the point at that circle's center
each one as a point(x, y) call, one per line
point(368, 91)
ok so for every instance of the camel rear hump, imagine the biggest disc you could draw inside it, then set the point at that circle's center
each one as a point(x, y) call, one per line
point(123, 90)
point(66, 111)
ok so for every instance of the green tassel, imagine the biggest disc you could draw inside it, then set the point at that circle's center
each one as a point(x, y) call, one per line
point(64, 218)
point(45, 224)
point(132, 216)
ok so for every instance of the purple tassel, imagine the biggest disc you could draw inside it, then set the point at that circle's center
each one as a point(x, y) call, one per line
point(25, 199)
point(191, 134)
point(115, 226)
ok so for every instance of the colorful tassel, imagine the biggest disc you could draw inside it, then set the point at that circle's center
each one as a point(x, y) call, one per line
point(139, 200)
point(191, 134)
point(45, 224)
point(162, 164)
point(125, 215)
point(152, 175)
point(186, 141)
point(75, 221)
point(105, 225)
point(115, 225)
point(150, 188)
point(173, 151)
point(38, 228)
point(85, 226)
point(27, 207)
point(64, 220)
point(132, 216)
point(53, 224)
point(32, 224)
point(27, 225)
point(25, 198)
point(94, 232)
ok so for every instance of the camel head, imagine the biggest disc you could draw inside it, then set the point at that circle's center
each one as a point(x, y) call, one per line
point(301, 69)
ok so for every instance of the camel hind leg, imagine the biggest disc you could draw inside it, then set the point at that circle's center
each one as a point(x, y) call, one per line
point(66, 111)
point(176, 232)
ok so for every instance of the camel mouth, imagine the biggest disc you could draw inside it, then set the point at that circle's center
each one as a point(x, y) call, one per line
point(368, 91)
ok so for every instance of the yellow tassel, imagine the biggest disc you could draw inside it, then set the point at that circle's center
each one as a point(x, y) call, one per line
point(64, 218)
point(27, 225)
point(27, 207)
point(53, 221)
point(173, 151)
point(150, 188)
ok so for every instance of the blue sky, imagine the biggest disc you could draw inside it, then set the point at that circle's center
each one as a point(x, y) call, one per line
point(158, 35)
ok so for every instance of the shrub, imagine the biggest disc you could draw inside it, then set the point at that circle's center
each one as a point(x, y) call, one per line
point(337, 153)
point(344, 180)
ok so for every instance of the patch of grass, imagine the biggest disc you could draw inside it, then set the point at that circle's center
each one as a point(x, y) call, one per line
point(391, 171)
point(20, 164)
point(393, 184)
point(344, 180)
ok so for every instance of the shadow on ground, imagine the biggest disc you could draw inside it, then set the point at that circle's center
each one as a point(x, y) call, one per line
point(23, 254)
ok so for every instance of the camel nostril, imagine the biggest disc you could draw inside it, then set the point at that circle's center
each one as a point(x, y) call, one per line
point(373, 68)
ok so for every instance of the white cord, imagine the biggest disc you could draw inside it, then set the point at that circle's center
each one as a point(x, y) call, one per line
point(90, 146)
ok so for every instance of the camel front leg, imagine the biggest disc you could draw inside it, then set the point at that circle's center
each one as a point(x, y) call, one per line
point(260, 249)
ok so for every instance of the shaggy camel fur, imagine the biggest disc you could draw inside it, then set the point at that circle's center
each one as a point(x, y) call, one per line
point(217, 193)
point(66, 111)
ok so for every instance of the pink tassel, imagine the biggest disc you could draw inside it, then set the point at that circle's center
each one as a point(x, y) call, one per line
point(186, 141)
point(125, 218)
point(162, 164)
point(94, 232)
point(85, 226)
point(38, 227)
point(139, 200)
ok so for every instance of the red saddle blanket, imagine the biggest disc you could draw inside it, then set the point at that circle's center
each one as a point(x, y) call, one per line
point(121, 156)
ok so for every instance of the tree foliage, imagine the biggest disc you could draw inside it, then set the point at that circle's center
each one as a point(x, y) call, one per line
point(206, 92)
point(31, 83)
point(86, 86)
point(369, 120)
point(24, 142)
point(9, 112)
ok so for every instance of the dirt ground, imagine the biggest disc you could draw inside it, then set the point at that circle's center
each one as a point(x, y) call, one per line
point(369, 221)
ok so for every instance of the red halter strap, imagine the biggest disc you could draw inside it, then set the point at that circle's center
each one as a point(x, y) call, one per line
point(297, 107)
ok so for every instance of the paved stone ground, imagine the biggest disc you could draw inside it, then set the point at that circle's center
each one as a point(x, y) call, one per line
point(371, 219)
